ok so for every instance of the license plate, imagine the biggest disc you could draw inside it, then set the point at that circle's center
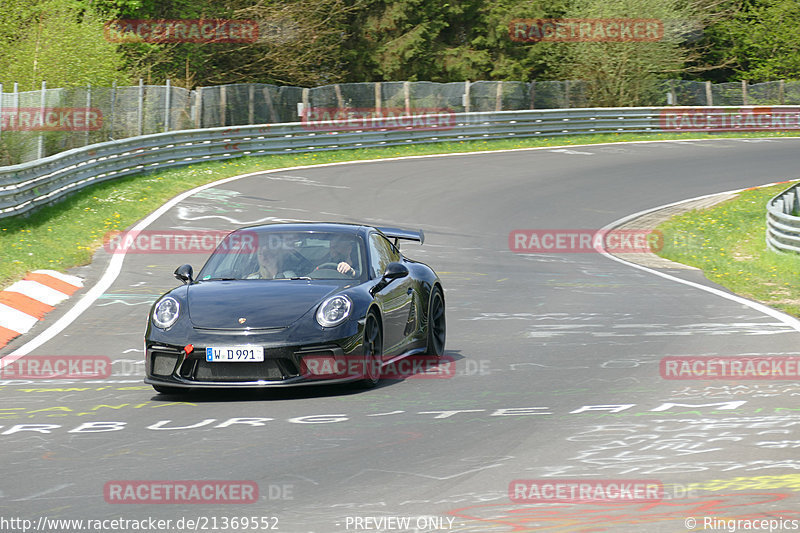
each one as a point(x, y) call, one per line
point(234, 354)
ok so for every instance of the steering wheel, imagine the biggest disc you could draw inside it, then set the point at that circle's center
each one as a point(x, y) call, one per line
point(328, 271)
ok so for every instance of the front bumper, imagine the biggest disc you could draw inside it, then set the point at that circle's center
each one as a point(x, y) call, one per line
point(169, 365)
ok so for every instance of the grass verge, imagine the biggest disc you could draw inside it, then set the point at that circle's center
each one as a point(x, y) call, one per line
point(727, 242)
point(66, 234)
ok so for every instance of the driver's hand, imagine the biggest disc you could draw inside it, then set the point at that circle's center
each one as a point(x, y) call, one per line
point(344, 268)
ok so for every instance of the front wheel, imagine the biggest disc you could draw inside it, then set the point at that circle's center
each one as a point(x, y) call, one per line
point(437, 326)
point(373, 351)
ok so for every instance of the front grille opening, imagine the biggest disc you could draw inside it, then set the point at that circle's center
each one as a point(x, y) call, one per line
point(164, 363)
point(288, 367)
point(267, 370)
point(187, 368)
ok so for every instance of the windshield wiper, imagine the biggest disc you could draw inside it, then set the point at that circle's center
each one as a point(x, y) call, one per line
point(219, 279)
point(301, 277)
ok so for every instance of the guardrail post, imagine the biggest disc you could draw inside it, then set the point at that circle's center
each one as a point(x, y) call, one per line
point(273, 116)
point(16, 99)
point(304, 106)
point(672, 94)
point(709, 96)
point(167, 105)
point(339, 98)
point(744, 92)
point(251, 90)
point(223, 105)
point(2, 111)
point(785, 203)
point(42, 103)
point(780, 91)
point(140, 110)
point(378, 97)
point(498, 99)
point(86, 113)
point(566, 94)
point(198, 107)
point(110, 134)
point(532, 93)
point(407, 95)
point(466, 98)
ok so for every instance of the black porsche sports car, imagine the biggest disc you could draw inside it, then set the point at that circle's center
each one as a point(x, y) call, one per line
point(292, 304)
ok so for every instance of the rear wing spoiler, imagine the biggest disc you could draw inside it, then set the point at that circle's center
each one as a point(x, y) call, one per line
point(406, 235)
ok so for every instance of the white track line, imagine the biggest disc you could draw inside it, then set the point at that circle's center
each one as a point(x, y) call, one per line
point(115, 265)
point(789, 320)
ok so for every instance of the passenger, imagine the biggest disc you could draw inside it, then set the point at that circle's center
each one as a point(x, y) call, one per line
point(269, 265)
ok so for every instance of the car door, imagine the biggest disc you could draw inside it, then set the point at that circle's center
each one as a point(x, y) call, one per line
point(395, 299)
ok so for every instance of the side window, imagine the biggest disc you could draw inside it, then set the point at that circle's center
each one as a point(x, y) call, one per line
point(394, 253)
point(380, 254)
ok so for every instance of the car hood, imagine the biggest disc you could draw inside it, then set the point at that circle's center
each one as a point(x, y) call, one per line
point(263, 303)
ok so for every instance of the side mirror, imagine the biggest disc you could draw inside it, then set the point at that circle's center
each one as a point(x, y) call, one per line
point(184, 273)
point(395, 270)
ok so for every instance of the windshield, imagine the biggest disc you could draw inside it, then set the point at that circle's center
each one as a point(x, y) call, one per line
point(270, 255)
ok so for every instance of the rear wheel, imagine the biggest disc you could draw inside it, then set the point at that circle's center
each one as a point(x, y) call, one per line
point(373, 351)
point(437, 327)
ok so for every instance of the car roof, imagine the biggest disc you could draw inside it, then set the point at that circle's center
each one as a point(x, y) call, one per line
point(360, 230)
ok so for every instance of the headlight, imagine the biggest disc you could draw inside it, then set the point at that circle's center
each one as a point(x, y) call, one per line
point(334, 311)
point(166, 312)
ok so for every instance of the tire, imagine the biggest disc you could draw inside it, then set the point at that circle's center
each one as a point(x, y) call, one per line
point(373, 350)
point(437, 324)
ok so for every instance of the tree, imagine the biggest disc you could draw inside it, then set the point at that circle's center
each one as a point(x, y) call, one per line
point(394, 40)
point(763, 40)
point(512, 59)
point(58, 41)
point(628, 73)
point(299, 42)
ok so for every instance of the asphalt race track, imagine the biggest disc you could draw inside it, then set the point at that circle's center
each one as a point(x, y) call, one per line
point(557, 366)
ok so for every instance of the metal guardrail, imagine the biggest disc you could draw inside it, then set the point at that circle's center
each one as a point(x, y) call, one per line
point(28, 185)
point(783, 225)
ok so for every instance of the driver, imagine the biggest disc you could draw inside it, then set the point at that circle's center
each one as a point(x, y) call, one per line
point(342, 252)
